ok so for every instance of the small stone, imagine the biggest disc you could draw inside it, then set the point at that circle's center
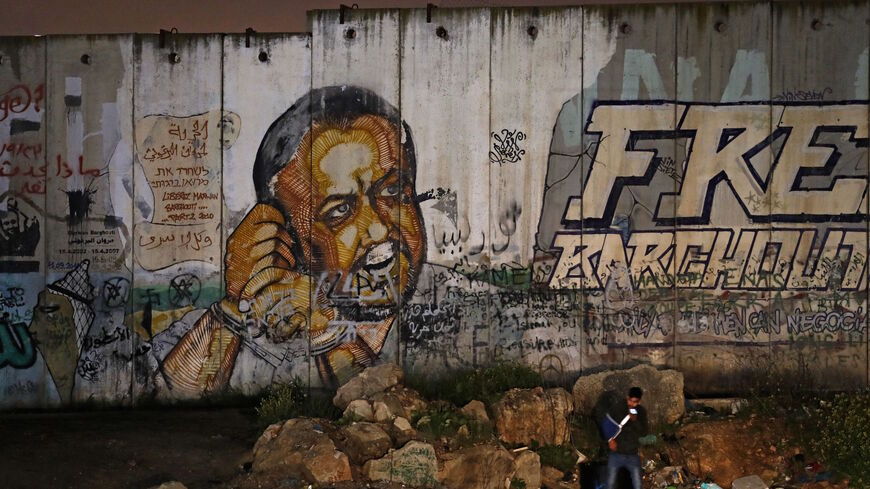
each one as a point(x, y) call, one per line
point(528, 469)
point(359, 409)
point(170, 485)
point(383, 414)
point(463, 432)
point(402, 424)
point(401, 431)
point(365, 441)
point(475, 410)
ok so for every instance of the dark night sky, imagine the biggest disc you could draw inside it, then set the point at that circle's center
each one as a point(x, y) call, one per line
point(125, 16)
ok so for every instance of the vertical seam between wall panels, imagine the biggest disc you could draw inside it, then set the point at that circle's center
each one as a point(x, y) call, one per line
point(866, 96)
point(489, 287)
point(403, 168)
point(583, 330)
point(770, 33)
point(45, 369)
point(311, 293)
point(676, 305)
point(132, 298)
point(222, 244)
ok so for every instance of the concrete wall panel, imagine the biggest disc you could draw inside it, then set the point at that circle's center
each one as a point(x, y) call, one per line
point(89, 217)
point(723, 71)
point(629, 118)
point(177, 215)
point(361, 241)
point(819, 91)
point(263, 78)
point(536, 63)
point(24, 377)
point(445, 99)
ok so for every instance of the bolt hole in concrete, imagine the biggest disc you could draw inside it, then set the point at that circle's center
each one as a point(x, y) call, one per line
point(174, 58)
point(263, 56)
point(441, 32)
point(721, 27)
point(625, 28)
point(817, 25)
point(350, 34)
point(86, 59)
point(533, 31)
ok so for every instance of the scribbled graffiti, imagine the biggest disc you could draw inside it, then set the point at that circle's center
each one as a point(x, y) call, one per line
point(506, 147)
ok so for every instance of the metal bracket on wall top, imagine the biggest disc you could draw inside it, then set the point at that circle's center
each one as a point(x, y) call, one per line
point(164, 34)
point(248, 32)
point(429, 8)
point(342, 9)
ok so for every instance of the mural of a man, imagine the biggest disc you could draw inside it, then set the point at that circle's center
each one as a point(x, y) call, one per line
point(335, 240)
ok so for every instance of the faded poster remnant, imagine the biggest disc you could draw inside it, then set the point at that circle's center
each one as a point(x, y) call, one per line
point(181, 160)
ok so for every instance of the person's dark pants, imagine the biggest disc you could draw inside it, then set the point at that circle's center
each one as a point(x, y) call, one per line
point(618, 461)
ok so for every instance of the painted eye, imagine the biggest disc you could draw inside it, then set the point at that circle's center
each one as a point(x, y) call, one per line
point(339, 211)
point(390, 190)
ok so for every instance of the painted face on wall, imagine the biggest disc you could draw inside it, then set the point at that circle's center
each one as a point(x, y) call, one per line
point(348, 190)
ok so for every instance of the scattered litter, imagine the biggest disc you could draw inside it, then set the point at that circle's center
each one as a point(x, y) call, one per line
point(648, 440)
point(749, 482)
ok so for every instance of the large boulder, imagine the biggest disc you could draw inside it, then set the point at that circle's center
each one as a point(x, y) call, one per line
point(662, 397)
point(299, 448)
point(481, 467)
point(370, 381)
point(364, 441)
point(415, 465)
point(526, 415)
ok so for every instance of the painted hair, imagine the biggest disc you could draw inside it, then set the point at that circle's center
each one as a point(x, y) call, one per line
point(336, 105)
point(635, 392)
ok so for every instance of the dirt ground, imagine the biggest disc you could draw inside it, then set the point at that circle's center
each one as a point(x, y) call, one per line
point(124, 449)
point(208, 449)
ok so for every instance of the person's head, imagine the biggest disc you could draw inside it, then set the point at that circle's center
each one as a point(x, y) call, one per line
point(635, 394)
point(340, 165)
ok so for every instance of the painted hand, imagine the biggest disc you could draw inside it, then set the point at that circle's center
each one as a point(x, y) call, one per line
point(261, 282)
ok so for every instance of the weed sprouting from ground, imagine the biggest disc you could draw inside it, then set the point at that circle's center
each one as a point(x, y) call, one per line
point(441, 422)
point(561, 457)
point(485, 384)
point(840, 434)
point(293, 399)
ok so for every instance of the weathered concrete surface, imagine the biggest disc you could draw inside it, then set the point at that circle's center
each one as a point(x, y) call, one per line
point(574, 188)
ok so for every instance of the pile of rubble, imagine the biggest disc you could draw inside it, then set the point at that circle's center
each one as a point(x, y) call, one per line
point(376, 440)
point(384, 439)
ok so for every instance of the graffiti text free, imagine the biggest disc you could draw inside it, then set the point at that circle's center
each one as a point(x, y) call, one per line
point(797, 155)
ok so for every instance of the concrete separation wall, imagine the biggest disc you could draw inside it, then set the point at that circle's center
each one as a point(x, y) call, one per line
point(572, 188)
